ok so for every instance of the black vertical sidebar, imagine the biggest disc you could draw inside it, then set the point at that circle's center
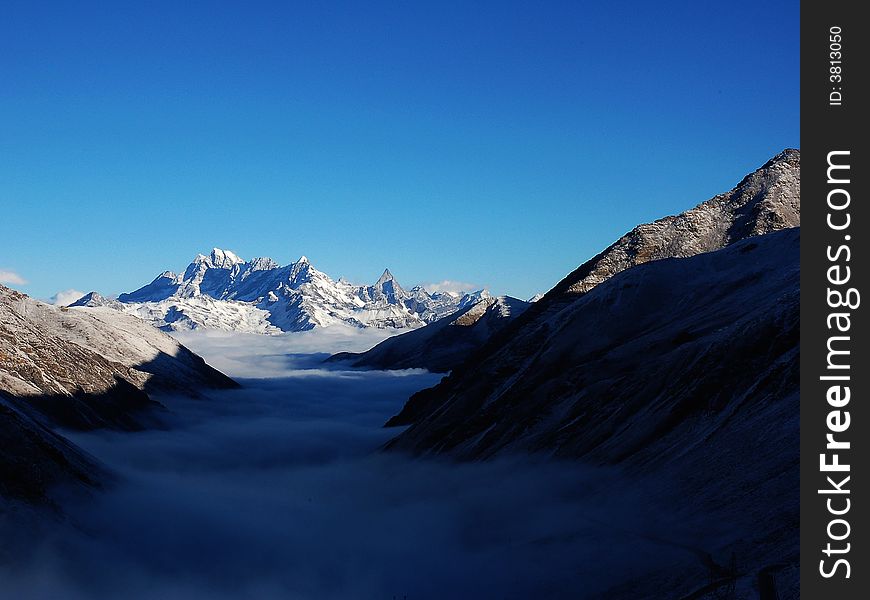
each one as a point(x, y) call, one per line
point(835, 300)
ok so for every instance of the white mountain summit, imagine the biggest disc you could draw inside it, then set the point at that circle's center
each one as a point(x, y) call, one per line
point(223, 291)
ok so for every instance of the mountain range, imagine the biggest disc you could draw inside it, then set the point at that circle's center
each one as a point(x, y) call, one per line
point(222, 291)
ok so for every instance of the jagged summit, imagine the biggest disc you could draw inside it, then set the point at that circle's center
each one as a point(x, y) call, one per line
point(386, 288)
point(218, 259)
point(95, 299)
point(263, 264)
point(787, 155)
point(384, 278)
point(223, 291)
point(87, 299)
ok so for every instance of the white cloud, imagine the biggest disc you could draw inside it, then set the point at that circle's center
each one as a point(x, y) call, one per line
point(65, 297)
point(452, 286)
point(12, 277)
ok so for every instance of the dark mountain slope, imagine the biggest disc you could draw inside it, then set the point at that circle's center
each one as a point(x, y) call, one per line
point(34, 460)
point(764, 201)
point(682, 373)
point(80, 369)
point(441, 346)
point(634, 361)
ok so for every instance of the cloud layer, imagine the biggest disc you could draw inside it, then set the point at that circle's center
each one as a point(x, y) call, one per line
point(449, 285)
point(66, 297)
point(11, 277)
point(278, 490)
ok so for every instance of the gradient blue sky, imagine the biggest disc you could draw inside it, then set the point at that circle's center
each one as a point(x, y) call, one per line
point(495, 143)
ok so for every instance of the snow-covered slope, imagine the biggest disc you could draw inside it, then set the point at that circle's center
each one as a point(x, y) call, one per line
point(90, 367)
point(443, 344)
point(223, 291)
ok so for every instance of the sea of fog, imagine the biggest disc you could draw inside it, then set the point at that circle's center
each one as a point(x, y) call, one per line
point(280, 490)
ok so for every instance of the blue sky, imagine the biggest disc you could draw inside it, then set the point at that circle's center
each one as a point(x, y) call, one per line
point(493, 143)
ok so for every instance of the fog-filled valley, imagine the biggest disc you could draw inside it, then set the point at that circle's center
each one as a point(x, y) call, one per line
point(279, 489)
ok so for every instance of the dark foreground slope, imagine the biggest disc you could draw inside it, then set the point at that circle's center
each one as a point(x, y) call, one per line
point(441, 346)
point(665, 349)
point(682, 370)
point(766, 200)
point(78, 369)
point(34, 460)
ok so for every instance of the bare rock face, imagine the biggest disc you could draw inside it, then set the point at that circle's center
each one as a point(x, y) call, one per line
point(90, 368)
point(442, 345)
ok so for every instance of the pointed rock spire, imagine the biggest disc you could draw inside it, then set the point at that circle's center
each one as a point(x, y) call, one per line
point(387, 276)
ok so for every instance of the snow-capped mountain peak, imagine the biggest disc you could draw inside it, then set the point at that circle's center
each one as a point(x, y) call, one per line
point(218, 259)
point(384, 278)
point(301, 271)
point(224, 258)
point(223, 291)
point(387, 288)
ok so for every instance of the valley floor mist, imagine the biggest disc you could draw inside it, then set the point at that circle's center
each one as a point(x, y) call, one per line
point(280, 489)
